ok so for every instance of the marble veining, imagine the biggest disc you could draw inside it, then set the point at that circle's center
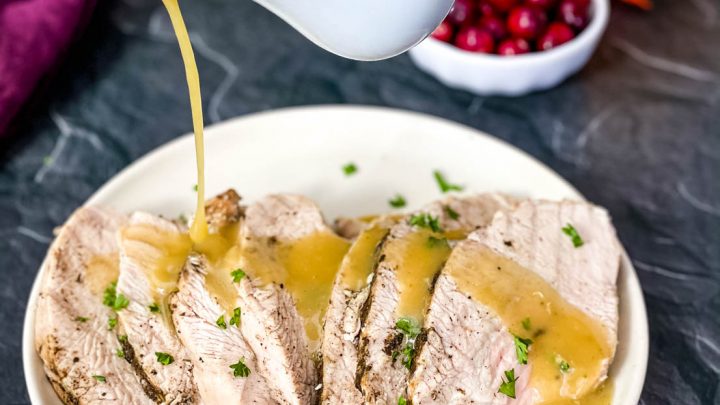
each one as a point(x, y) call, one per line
point(637, 131)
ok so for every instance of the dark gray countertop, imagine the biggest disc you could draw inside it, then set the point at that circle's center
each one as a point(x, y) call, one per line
point(637, 131)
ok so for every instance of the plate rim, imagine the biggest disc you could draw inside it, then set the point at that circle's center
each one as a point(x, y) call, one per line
point(29, 355)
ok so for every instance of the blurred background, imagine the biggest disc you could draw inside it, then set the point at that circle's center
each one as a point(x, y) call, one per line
point(637, 130)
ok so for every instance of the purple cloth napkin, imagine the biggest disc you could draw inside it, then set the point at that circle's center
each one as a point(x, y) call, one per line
point(33, 35)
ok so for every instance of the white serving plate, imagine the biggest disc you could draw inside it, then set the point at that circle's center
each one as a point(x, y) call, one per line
point(302, 150)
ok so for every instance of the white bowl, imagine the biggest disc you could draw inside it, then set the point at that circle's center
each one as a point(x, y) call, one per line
point(488, 74)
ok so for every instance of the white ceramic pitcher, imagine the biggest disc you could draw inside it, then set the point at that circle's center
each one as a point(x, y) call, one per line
point(362, 29)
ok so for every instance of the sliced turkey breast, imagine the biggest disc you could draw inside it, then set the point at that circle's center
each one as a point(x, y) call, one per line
point(152, 253)
point(72, 335)
point(290, 257)
point(226, 369)
point(531, 297)
point(410, 259)
point(342, 319)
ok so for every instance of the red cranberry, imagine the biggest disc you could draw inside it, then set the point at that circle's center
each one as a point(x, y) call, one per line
point(556, 35)
point(474, 39)
point(513, 46)
point(502, 5)
point(574, 13)
point(543, 4)
point(494, 25)
point(525, 22)
point(462, 12)
point(444, 31)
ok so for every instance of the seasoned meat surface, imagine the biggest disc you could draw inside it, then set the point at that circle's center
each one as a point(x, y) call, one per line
point(72, 337)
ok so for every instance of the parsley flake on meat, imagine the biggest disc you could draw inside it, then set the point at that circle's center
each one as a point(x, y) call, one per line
point(521, 349)
point(454, 215)
point(114, 300)
point(425, 220)
point(410, 329)
point(164, 358)
point(237, 275)
point(235, 319)
point(563, 365)
point(507, 386)
point(570, 231)
point(240, 369)
point(221, 322)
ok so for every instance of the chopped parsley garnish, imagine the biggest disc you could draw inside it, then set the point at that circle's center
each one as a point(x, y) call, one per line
point(123, 339)
point(408, 353)
point(237, 275)
point(508, 384)
point(154, 307)
point(120, 353)
point(350, 169)
point(398, 201)
point(433, 242)
point(114, 300)
point(120, 302)
point(195, 187)
point(164, 358)
point(424, 220)
point(109, 295)
point(526, 324)
point(240, 369)
point(112, 323)
point(563, 365)
point(221, 322)
point(235, 319)
point(408, 327)
point(100, 378)
point(402, 401)
point(454, 215)
point(570, 231)
point(443, 184)
point(521, 349)
point(81, 319)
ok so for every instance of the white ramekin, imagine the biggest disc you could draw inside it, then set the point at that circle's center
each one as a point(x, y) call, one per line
point(488, 74)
